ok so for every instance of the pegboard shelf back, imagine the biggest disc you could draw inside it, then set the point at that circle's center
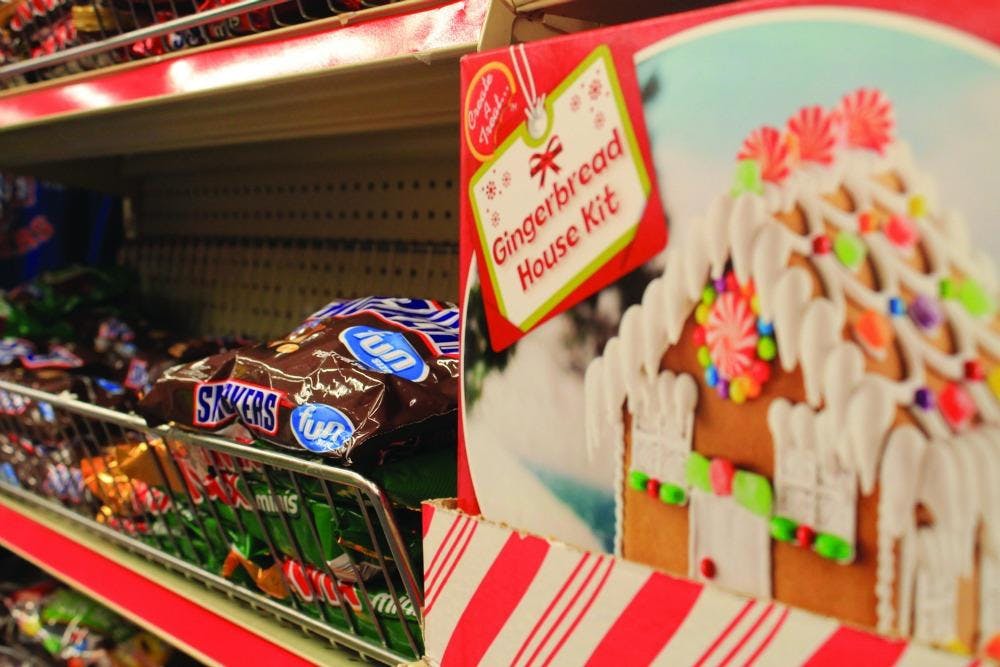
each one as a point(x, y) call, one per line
point(262, 287)
point(251, 244)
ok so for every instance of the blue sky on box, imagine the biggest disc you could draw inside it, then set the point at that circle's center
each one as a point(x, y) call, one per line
point(714, 90)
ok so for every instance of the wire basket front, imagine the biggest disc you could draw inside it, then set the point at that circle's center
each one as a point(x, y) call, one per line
point(320, 547)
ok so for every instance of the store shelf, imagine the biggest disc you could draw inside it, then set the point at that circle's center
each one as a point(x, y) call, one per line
point(354, 625)
point(203, 623)
point(394, 67)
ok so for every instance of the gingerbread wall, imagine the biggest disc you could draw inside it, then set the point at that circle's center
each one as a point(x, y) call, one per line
point(657, 534)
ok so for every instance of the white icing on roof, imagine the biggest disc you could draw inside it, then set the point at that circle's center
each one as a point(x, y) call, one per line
point(956, 476)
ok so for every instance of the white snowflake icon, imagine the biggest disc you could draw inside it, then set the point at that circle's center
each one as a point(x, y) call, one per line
point(595, 89)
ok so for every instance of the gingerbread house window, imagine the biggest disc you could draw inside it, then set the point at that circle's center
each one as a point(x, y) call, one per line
point(815, 495)
point(662, 424)
point(936, 605)
point(659, 450)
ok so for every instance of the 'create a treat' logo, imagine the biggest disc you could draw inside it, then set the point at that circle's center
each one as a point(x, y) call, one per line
point(563, 194)
point(491, 109)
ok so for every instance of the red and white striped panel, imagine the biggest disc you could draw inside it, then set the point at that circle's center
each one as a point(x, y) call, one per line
point(494, 596)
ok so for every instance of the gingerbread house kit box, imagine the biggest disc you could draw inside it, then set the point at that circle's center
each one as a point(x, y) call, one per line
point(730, 306)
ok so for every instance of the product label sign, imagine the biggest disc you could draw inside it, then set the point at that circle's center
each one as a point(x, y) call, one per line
point(58, 357)
point(562, 195)
point(491, 106)
point(321, 428)
point(137, 376)
point(384, 352)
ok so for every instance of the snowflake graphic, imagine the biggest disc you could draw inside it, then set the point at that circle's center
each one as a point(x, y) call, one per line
point(595, 89)
point(599, 120)
point(574, 103)
point(495, 218)
point(491, 190)
point(506, 179)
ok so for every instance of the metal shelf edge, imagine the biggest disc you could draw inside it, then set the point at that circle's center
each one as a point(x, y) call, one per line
point(190, 100)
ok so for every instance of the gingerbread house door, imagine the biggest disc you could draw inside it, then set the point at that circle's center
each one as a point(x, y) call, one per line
point(729, 545)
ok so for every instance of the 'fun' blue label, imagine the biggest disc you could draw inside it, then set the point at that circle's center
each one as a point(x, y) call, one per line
point(385, 352)
point(321, 428)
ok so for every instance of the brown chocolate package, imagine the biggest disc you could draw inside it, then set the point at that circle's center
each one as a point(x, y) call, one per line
point(340, 382)
point(172, 397)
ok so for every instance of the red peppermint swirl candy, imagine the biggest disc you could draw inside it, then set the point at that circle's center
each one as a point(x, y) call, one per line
point(814, 129)
point(731, 334)
point(771, 152)
point(868, 119)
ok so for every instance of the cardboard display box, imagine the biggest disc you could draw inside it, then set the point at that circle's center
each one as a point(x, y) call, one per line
point(720, 319)
point(496, 596)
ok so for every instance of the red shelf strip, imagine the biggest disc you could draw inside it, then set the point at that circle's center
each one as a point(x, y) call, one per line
point(192, 626)
point(447, 25)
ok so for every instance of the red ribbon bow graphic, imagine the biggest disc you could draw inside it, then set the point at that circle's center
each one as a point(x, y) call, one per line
point(542, 162)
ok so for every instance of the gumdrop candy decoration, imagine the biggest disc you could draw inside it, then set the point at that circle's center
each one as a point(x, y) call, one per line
point(747, 179)
point(923, 398)
point(991, 648)
point(849, 249)
point(870, 221)
point(956, 406)
point(926, 312)
point(873, 332)
point(918, 206)
point(901, 232)
point(975, 299)
point(814, 132)
point(770, 150)
point(974, 370)
point(720, 472)
point(993, 382)
point(867, 119)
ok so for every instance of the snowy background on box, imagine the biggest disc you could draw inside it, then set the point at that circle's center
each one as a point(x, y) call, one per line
point(704, 96)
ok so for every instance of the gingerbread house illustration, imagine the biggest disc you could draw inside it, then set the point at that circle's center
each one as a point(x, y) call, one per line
point(805, 403)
